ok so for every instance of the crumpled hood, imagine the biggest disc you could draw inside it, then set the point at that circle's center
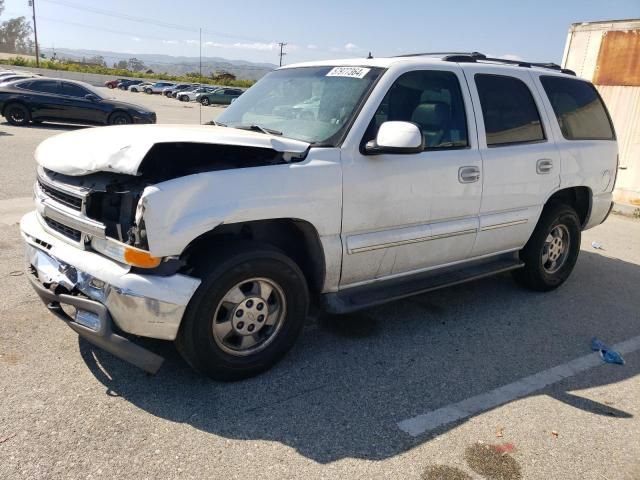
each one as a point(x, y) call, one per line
point(121, 149)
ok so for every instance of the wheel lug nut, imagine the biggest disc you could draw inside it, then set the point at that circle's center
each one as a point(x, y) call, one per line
point(239, 313)
point(240, 325)
point(260, 318)
point(260, 306)
point(249, 303)
point(251, 328)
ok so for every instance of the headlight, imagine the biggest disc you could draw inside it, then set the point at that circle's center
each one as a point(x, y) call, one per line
point(125, 253)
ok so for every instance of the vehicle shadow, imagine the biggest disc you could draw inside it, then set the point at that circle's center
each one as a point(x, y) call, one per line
point(342, 390)
point(50, 126)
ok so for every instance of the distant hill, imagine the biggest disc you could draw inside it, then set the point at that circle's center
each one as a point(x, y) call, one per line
point(159, 63)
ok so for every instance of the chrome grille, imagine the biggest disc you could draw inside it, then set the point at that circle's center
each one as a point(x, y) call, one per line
point(64, 198)
point(68, 232)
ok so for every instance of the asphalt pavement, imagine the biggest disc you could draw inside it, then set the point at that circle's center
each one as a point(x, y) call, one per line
point(503, 376)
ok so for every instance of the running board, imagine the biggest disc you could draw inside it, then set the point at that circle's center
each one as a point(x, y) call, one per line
point(356, 298)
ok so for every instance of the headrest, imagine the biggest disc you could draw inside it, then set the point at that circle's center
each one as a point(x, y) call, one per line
point(431, 116)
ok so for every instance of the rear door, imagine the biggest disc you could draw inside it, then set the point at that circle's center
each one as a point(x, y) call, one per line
point(520, 159)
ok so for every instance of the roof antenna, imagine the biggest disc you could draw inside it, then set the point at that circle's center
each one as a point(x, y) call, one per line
point(370, 57)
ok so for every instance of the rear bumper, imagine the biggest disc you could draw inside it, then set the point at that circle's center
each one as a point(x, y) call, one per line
point(601, 206)
point(63, 274)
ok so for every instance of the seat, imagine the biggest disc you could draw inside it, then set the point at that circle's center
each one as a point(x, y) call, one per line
point(433, 119)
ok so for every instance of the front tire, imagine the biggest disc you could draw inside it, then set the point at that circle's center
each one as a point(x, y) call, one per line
point(247, 313)
point(205, 101)
point(17, 114)
point(552, 251)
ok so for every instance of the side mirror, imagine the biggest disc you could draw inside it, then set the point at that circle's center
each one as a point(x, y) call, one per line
point(91, 97)
point(396, 137)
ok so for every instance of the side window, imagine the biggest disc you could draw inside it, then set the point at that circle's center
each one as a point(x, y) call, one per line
point(24, 85)
point(45, 86)
point(431, 99)
point(578, 108)
point(509, 111)
point(73, 90)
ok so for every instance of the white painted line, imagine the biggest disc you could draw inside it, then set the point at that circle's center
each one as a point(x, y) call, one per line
point(13, 209)
point(457, 411)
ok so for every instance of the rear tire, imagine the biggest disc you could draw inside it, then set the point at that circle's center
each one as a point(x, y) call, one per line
point(120, 118)
point(17, 114)
point(238, 286)
point(148, 91)
point(552, 251)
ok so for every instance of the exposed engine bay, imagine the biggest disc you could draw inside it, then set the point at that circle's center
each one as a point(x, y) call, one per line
point(113, 198)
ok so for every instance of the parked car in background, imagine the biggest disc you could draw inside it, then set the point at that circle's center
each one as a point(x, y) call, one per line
point(157, 87)
point(221, 96)
point(114, 83)
point(139, 87)
point(173, 91)
point(123, 85)
point(190, 95)
point(50, 99)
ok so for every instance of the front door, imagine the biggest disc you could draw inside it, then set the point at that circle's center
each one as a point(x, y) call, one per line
point(405, 213)
point(78, 108)
point(520, 160)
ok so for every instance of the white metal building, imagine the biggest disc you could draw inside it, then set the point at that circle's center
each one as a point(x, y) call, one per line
point(608, 54)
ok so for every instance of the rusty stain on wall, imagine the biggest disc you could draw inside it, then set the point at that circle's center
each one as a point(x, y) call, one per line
point(618, 59)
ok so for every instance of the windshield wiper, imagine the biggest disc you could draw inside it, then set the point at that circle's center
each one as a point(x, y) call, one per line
point(215, 124)
point(257, 128)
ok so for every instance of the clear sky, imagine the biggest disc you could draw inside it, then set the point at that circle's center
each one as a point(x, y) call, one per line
point(249, 29)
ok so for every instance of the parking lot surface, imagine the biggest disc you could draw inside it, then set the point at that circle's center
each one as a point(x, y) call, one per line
point(482, 380)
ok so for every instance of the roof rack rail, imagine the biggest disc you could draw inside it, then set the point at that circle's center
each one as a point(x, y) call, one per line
point(462, 57)
point(475, 56)
point(424, 54)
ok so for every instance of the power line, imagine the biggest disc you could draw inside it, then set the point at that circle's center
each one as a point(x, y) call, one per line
point(158, 62)
point(282, 54)
point(149, 21)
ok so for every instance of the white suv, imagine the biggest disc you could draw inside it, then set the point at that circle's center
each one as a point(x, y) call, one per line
point(400, 176)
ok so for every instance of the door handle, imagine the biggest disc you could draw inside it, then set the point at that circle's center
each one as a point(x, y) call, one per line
point(544, 165)
point(468, 174)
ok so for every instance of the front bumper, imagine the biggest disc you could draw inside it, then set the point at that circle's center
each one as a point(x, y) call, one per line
point(104, 292)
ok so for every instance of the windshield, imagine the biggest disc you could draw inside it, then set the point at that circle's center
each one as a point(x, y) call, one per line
point(313, 104)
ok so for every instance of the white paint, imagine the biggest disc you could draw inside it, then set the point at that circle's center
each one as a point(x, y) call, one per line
point(399, 135)
point(525, 386)
point(122, 148)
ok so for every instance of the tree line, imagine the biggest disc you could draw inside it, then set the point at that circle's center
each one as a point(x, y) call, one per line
point(15, 34)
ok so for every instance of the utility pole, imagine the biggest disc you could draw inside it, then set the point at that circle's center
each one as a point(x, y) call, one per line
point(282, 54)
point(32, 3)
point(200, 107)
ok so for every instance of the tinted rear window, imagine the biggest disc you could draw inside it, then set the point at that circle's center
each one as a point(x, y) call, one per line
point(578, 108)
point(509, 111)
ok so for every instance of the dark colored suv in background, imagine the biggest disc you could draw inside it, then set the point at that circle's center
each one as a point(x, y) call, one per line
point(50, 99)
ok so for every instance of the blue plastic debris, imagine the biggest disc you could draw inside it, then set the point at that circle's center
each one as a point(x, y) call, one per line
point(608, 355)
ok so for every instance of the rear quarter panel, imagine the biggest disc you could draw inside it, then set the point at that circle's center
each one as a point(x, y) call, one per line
point(584, 163)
